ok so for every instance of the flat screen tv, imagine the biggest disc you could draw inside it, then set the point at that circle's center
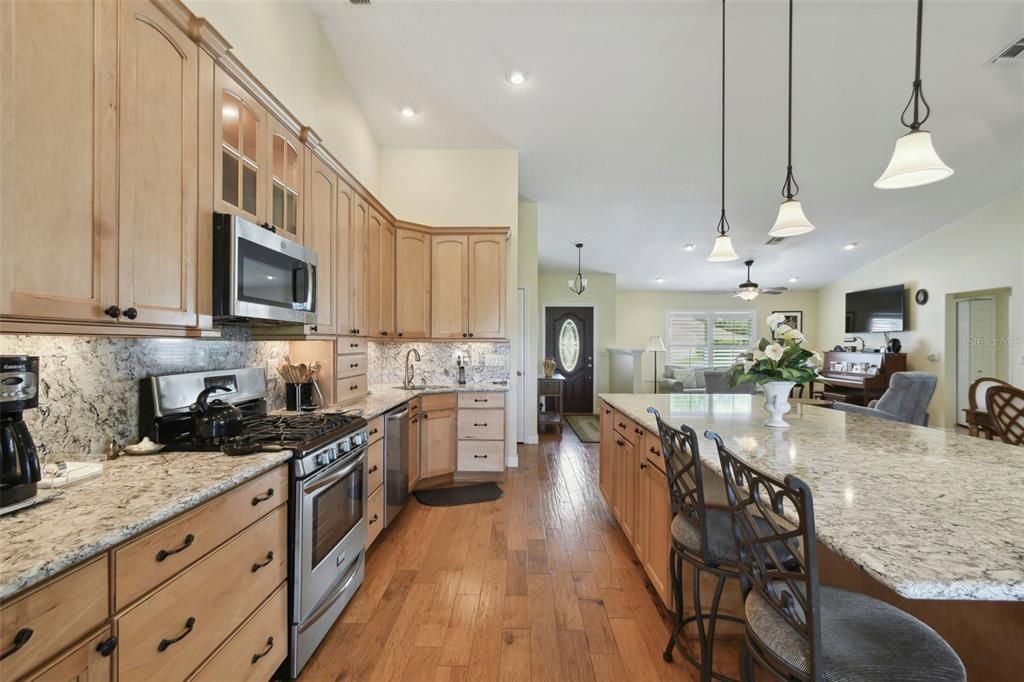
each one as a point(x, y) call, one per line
point(876, 310)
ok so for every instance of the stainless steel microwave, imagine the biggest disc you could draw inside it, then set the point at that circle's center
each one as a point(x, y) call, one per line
point(260, 276)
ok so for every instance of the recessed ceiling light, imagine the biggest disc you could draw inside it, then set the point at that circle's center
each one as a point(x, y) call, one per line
point(850, 247)
point(516, 77)
point(689, 247)
point(659, 280)
point(409, 112)
point(793, 280)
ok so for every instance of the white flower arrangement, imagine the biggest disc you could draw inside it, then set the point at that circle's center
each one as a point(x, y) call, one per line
point(778, 357)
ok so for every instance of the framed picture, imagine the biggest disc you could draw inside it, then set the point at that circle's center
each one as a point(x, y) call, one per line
point(794, 318)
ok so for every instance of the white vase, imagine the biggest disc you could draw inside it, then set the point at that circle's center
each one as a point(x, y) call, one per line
point(776, 402)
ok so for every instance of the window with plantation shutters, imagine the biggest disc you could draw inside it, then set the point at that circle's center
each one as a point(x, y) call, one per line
point(708, 339)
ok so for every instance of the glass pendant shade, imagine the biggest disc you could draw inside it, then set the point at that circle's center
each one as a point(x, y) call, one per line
point(723, 250)
point(578, 285)
point(791, 220)
point(748, 294)
point(914, 163)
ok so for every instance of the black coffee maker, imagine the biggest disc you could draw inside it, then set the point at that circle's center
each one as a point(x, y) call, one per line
point(19, 463)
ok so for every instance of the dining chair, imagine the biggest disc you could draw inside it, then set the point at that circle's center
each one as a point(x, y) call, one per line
point(797, 628)
point(977, 401)
point(1006, 411)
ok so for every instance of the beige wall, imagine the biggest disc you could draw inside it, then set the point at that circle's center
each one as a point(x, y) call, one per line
point(600, 293)
point(983, 250)
point(641, 314)
point(528, 282)
point(284, 46)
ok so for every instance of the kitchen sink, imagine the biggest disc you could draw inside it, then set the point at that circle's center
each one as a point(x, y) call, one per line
point(420, 387)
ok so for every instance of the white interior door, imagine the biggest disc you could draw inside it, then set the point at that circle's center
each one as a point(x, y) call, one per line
point(975, 347)
point(520, 369)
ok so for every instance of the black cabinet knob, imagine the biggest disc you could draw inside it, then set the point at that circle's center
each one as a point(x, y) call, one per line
point(107, 646)
point(471, 335)
point(112, 311)
point(131, 313)
point(465, 335)
point(315, 328)
point(399, 333)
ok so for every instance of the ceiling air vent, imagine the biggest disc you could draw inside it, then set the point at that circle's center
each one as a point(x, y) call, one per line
point(775, 240)
point(1013, 54)
point(359, 2)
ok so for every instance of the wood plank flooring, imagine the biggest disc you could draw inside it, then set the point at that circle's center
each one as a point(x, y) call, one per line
point(539, 585)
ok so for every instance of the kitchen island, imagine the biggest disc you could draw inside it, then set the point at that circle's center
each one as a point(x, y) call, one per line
point(929, 520)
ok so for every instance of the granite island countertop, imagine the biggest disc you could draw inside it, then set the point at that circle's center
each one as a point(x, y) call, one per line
point(932, 514)
point(383, 397)
point(132, 495)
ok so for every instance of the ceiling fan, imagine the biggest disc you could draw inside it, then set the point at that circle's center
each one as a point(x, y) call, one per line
point(749, 290)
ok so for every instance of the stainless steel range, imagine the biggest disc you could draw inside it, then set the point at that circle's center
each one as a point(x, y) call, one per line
point(328, 480)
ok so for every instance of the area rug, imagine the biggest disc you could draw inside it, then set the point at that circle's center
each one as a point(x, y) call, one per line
point(465, 494)
point(586, 426)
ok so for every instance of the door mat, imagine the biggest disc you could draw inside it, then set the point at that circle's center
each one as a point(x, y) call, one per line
point(586, 426)
point(453, 497)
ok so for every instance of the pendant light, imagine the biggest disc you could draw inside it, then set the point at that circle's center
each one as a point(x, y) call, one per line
point(723, 251)
point(791, 220)
point(578, 284)
point(914, 160)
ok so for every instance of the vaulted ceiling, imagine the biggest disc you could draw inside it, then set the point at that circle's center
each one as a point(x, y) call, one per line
point(618, 124)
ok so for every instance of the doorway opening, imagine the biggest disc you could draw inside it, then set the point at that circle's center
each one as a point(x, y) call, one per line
point(977, 332)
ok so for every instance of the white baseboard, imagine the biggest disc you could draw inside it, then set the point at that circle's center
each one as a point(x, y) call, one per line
point(531, 440)
point(512, 462)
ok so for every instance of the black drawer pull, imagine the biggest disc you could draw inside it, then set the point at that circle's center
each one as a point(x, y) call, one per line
point(353, 387)
point(643, 465)
point(374, 520)
point(20, 640)
point(621, 425)
point(374, 432)
point(620, 443)
point(270, 557)
point(270, 645)
point(373, 468)
point(352, 365)
point(164, 643)
point(107, 646)
point(479, 400)
point(353, 345)
point(164, 553)
point(654, 451)
point(479, 456)
point(263, 498)
point(484, 424)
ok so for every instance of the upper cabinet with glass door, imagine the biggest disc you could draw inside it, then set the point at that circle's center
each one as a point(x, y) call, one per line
point(240, 164)
point(285, 181)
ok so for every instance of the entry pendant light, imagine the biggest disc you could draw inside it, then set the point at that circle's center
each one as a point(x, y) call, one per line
point(914, 160)
point(791, 220)
point(578, 284)
point(722, 250)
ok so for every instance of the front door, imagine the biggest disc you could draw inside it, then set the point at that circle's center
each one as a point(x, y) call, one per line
point(570, 341)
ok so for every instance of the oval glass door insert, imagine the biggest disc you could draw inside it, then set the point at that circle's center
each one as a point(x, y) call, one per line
point(569, 345)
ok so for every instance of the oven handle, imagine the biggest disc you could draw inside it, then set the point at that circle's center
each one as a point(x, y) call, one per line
point(329, 477)
point(346, 583)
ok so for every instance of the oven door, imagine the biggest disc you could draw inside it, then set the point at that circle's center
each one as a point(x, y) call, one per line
point(330, 528)
point(273, 278)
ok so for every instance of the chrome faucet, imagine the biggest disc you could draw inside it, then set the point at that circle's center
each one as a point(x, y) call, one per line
point(410, 370)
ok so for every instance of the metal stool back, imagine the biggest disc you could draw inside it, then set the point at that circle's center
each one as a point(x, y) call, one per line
point(773, 522)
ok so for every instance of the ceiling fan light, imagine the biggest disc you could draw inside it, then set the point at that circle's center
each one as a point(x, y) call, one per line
point(914, 163)
point(747, 294)
point(723, 250)
point(791, 220)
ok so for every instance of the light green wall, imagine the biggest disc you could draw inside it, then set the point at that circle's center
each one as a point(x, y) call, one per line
point(528, 280)
point(983, 250)
point(600, 293)
point(642, 314)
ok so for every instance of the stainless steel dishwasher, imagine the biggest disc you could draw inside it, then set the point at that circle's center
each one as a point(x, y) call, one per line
point(396, 462)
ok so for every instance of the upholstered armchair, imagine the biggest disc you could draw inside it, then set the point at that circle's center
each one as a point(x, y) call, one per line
point(906, 400)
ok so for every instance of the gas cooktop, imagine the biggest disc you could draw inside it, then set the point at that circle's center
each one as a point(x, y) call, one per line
point(263, 432)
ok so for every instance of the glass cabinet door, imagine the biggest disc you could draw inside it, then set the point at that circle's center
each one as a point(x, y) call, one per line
point(241, 157)
point(286, 181)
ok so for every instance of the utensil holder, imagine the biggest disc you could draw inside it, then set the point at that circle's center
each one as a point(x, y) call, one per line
point(298, 396)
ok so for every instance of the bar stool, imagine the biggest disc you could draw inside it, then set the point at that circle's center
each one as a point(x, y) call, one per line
point(702, 537)
point(798, 629)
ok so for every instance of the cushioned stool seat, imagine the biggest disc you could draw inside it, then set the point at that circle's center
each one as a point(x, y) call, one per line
point(721, 541)
point(862, 639)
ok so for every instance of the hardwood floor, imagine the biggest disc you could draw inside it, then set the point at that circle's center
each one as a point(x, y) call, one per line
point(539, 585)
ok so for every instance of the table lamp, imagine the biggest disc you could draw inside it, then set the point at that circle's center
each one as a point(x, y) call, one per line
point(656, 345)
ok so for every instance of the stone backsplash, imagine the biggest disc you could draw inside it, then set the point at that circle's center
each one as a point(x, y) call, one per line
point(486, 362)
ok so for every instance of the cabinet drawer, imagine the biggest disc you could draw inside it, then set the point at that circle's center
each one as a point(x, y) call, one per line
point(374, 515)
point(414, 408)
point(481, 400)
point(259, 646)
point(375, 465)
point(483, 455)
point(350, 366)
point(627, 428)
point(53, 616)
point(350, 388)
point(375, 428)
point(168, 634)
point(482, 424)
point(433, 402)
point(652, 450)
point(351, 345)
point(142, 564)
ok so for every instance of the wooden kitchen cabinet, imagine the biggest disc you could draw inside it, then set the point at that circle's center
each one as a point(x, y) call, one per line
point(449, 307)
point(380, 276)
point(241, 159)
point(59, 163)
point(90, 661)
point(412, 283)
point(654, 526)
point(285, 180)
point(438, 440)
point(486, 293)
point(345, 285)
point(321, 235)
point(158, 171)
point(606, 451)
point(357, 265)
point(413, 438)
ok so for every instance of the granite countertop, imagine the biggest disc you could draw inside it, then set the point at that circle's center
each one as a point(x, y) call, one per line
point(133, 494)
point(383, 397)
point(932, 514)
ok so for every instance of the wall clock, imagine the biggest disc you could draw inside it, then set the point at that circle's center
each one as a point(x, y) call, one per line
point(921, 296)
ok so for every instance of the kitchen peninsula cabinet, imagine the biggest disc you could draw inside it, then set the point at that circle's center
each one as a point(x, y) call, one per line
point(412, 283)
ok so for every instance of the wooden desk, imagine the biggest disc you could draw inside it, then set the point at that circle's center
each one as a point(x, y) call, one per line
point(979, 424)
point(550, 387)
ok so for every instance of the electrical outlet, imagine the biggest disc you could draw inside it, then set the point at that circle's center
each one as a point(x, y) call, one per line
point(272, 364)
